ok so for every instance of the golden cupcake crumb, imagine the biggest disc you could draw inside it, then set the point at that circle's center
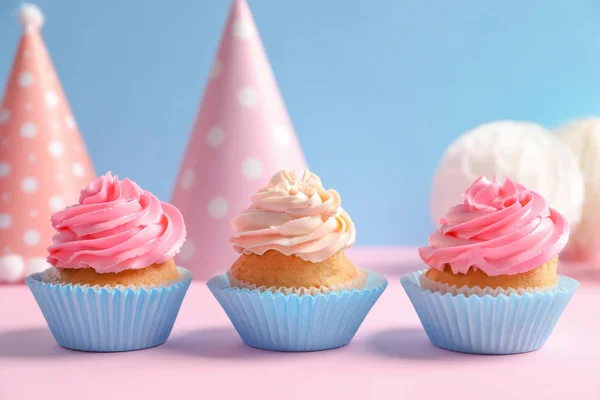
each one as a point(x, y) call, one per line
point(542, 276)
point(276, 269)
point(153, 274)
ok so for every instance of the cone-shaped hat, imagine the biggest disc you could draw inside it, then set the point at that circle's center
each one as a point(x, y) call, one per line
point(43, 161)
point(242, 135)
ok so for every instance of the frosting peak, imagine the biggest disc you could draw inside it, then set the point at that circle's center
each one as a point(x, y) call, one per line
point(486, 195)
point(295, 217)
point(502, 229)
point(309, 184)
point(116, 226)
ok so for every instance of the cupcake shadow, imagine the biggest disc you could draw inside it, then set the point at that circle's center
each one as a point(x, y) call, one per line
point(216, 343)
point(407, 344)
point(30, 343)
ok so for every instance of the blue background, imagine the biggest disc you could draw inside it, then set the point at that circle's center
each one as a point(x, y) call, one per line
point(376, 89)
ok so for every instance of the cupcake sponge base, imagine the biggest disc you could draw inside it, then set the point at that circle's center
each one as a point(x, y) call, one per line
point(274, 269)
point(154, 274)
point(540, 277)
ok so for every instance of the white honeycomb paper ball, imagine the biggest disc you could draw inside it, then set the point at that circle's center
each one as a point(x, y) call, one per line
point(523, 151)
point(11, 268)
point(583, 138)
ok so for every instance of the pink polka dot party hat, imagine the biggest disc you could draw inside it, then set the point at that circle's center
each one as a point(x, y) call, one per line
point(43, 160)
point(242, 135)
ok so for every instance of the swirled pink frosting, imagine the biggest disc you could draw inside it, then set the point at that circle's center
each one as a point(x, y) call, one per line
point(501, 229)
point(296, 217)
point(116, 226)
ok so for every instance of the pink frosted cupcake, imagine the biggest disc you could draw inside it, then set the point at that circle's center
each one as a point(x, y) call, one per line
point(114, 274)
point(503, 237)
point(492, 286)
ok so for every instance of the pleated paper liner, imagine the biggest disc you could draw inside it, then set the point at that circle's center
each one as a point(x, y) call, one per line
point(500, 324)
point(291, 322)
point(109, 319)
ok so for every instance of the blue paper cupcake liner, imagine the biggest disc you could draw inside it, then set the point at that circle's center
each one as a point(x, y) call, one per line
point(105, 319)
point(486, 324)
point(279, 322)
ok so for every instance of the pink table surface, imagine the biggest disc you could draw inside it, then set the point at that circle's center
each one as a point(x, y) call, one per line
point(389, 357)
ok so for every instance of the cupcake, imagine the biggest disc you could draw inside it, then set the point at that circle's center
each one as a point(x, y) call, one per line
point(492, 285)
point(114, 285)
point(292, 287)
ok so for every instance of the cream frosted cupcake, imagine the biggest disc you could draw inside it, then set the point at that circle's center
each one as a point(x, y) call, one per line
point(292, 238)
point(113, 272)
point(292, 268)
point(492, 285)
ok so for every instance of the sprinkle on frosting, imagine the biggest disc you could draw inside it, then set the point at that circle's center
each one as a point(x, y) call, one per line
point(501, 229)
point(296, 217)
point(116, 226)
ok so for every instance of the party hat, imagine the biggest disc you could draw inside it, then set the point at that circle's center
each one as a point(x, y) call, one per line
point(43, 161)
point(242, 135)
